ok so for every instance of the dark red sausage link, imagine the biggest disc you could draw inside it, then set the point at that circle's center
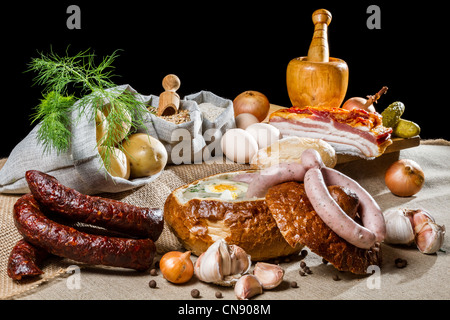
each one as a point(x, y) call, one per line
point(24, 260)
point(67, 242)
point(107, 213)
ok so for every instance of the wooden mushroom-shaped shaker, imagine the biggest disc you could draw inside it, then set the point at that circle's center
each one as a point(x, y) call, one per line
point(169, 100)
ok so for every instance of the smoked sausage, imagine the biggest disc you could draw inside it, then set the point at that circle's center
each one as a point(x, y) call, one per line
point(65, 241)
point(24, 260)
point(110, 214)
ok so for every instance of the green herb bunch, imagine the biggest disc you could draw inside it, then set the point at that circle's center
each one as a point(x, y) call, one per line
point(61, 77)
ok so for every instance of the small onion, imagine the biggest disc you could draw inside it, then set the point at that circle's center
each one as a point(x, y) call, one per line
point(364, 104)
point(253, 102)
point(358, 103)
point(404, 178)
point(176, 266)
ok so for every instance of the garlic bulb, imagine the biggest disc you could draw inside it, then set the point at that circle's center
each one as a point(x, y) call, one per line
point(398, 227)
point(404, 226)
point(222, 264)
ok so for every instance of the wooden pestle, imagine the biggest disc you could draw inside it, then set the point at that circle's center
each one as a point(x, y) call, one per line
point(318, 79)
point(169, 100)
point(318, 50)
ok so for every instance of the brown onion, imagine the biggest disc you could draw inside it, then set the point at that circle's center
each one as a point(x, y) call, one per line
point(365, 104)
point(358, 103)
point(176, 266)
point(404, 178)
point(253, 102)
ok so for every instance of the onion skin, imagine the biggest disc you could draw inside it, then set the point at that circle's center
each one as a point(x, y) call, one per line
point(404, 178)
point(253, 102)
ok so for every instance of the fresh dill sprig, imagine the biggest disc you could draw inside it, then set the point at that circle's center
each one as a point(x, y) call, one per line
point(56, 72)
point(61, 74)
point(54, 126)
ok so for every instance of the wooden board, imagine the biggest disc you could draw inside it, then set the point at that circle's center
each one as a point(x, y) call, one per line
point(398, 144)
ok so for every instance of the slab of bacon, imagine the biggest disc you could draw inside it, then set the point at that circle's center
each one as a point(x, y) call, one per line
point(355, 132)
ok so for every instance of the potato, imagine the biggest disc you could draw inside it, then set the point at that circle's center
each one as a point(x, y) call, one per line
point(103, 125)
point(147, 155)
point(119, 163)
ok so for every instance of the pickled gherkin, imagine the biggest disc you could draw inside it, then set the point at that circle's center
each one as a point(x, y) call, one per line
point(406, 129)
point(391, 115)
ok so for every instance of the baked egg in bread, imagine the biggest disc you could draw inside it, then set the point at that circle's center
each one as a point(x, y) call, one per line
point(222, 187)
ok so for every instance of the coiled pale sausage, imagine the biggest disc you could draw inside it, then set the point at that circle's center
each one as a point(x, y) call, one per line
point(332, 215)
point(369, 211)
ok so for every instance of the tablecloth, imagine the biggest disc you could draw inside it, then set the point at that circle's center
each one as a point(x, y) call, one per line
point(424, 277)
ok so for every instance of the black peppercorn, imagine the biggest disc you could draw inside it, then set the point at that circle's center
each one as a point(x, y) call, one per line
point(195, 293)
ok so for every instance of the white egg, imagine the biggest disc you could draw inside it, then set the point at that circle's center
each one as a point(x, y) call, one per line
point(265, 134)
point(238, 145)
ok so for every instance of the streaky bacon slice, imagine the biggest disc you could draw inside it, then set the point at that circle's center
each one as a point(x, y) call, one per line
point(356, 132)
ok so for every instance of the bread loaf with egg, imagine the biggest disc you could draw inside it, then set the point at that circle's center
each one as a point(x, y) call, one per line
point(215, 207)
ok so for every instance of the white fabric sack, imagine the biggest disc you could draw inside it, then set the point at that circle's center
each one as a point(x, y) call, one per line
point(213, 130)
point(81, 167)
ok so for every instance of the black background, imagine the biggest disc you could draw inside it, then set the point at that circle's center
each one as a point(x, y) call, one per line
point(231, 46)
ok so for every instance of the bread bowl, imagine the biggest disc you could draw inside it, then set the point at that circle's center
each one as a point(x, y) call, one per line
point(215, 207)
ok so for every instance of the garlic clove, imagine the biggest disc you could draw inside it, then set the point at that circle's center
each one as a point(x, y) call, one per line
point(247, 286)
point(225, 258)
point(208, 266)
point(429, 237)
point(269, 275)
point(398, 227)
point(240, 260)
point(419, 217)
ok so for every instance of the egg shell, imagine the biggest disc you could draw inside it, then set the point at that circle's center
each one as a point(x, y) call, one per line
point(265, 134)
point(244, 120)
point(239, 145)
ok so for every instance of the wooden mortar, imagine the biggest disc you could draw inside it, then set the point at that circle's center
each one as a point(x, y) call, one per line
point(318, 79)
